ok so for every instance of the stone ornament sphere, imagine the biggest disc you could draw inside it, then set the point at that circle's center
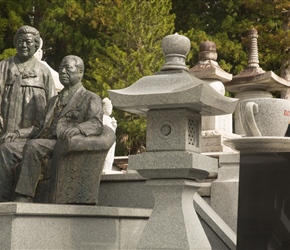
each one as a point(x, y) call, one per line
point(265, 116)
point(175, 44)
point(207, 51)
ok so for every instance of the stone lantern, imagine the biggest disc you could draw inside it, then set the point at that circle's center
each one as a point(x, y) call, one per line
point(173, 100)
point(215, 129)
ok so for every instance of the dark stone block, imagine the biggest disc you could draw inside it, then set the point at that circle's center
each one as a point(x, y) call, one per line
point(264, 201)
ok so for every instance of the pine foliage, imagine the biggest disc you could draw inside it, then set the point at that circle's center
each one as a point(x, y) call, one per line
point(120, 40)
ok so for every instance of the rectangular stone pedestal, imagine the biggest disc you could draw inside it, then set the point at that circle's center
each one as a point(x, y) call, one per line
point(46, 226)
point(264, 201)
point(224, 190)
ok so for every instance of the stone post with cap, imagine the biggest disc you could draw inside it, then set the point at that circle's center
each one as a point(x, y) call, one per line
point(173, 100)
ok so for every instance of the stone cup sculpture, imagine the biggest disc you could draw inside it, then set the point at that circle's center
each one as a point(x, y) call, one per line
point(265, 116)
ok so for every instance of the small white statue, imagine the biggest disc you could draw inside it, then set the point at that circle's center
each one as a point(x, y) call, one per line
point(112, 123)
point(38, 55)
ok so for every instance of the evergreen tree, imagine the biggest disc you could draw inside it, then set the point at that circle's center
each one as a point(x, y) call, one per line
point(12, 16)
point(133, 51)
point(120, 40)
point(226, 22)
point(75, 27)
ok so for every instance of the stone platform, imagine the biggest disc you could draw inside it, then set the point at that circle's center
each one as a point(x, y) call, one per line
point(125, 205)
point(47, 226)
point(130, 190)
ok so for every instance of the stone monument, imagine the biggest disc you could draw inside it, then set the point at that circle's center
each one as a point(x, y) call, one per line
point(73, 129)
point(173, 101)
point(254, 82)
point(263, 214)
point(66, 150)
point(251, 84)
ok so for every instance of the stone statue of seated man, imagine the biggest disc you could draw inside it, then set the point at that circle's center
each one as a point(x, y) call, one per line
point(74, 113)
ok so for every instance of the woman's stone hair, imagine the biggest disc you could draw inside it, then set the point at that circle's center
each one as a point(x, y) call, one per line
point(28, 30)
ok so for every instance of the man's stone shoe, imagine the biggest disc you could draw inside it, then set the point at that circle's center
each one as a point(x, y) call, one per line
point(3, 199)
point(23, 199)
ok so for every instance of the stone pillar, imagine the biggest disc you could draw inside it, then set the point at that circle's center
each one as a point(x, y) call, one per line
point(224, 190)
point(264, 203)
point(264, 187)
point(173, 176)
point(173, 164)
point(173, 223)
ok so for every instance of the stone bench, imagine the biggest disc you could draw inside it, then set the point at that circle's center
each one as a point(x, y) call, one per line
point(73, 174)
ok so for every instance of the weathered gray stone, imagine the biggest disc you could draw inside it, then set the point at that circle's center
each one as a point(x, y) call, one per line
point(173, 164)
point(173, 223)
point(254, 82)
point(212, 141)
point(264, 144)
point(214, 129)
point(265, 116)
point(130, 190)
point(207, 66)
point(169, 90)
point(125, 190)
point(43, 162)
point(176, 129)
point(173, 101)
point(172, 87)
point(215, 222)
point(224, 190)
point(43, 226)
point(33, 85)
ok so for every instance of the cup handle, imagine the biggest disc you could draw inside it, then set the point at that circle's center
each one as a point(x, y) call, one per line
point(252, 108)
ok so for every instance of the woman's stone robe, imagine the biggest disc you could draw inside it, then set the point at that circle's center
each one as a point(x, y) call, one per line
point(24, 92)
